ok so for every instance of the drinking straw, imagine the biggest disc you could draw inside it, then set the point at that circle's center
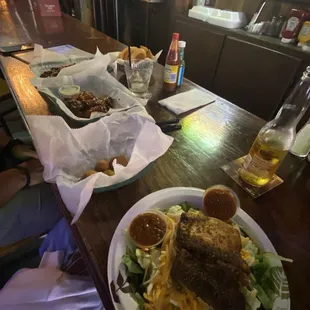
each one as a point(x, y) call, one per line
point(129, 55)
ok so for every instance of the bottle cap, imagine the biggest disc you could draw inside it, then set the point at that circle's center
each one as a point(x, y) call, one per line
point(175, 36)
point(284, 40)
point(182, 44)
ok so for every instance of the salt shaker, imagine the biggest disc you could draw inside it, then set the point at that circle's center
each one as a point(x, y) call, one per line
point(301, 147)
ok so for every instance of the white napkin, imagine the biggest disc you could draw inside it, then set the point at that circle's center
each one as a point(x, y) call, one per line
point(67, 154)
point(187, 101)
point(48, 288)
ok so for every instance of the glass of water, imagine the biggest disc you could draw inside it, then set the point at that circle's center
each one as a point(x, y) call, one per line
point(138, 77)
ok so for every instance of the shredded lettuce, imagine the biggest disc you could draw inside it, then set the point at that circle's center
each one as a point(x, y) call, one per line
point(175, 211)
point(194, 211)
point(186, 206)
point(131, 265)
point(248, 244)
point(270, 281)
point(135, 275)
point(249, 250)
point(251, 298)
point(263, 297)
point(139, 299)
point(144, 259)
point(150, 262)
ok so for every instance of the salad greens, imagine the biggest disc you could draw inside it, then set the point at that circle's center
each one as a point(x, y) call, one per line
point(135, 275)
point(186, 206)
point(130, 260)
point(268, 281)
point(142, 266)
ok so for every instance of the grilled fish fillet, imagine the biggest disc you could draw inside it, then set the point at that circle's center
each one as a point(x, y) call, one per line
point(207, 281)
point(208, 261)
point(211, 238)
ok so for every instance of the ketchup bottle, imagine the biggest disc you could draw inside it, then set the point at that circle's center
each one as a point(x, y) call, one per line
point(172, 65)
point(293, 25)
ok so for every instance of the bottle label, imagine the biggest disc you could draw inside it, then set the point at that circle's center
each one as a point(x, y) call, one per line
point(171, 73)
point(305, 31)
point(292, 23)
point(258, 166)
point(180, 76)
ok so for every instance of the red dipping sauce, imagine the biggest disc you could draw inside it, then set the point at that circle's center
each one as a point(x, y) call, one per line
point(147, 229)
point(220, 202)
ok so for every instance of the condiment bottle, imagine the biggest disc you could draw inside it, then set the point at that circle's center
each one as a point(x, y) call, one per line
point(182, 45)
point(172, 65)
point(271, 27)
point(304, 34)
point(279, 26)
point(293, 25)
point(276, 138)
point(301, 147)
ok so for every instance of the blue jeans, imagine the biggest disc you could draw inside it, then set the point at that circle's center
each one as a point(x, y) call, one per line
point(31, 212)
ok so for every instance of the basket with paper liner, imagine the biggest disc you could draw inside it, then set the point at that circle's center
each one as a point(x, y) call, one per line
point(97, 89)
point(68, 154)
point(142, 53)
point(56, 61)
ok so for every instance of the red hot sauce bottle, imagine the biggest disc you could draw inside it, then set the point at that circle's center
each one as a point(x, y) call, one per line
point(172, 65)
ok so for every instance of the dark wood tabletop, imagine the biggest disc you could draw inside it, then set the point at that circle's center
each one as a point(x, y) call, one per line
point(210, 137)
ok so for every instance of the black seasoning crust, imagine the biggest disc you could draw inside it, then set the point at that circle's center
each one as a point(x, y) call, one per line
point(209, 282)
point(210, 260)
point(211, 238)
point(54, 71)
point(84, 103)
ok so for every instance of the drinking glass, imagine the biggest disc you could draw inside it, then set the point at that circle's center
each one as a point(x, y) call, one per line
point(138, 77)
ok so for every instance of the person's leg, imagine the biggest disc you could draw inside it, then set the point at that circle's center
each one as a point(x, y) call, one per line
point(31, 212)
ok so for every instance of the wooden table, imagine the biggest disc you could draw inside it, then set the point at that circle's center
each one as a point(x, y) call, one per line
point(210, 137)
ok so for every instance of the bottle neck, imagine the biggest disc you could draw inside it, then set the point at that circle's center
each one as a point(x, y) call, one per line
point(295, 105)
point(173, 53)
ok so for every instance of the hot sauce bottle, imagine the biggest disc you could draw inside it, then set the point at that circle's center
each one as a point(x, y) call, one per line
point(172, 65)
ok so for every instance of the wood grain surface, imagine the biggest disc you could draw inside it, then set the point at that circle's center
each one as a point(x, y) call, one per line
point(210, 137)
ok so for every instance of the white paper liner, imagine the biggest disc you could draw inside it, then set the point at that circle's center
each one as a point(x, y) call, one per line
point(122, 61)
point(67, 154)
point(45, 59)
